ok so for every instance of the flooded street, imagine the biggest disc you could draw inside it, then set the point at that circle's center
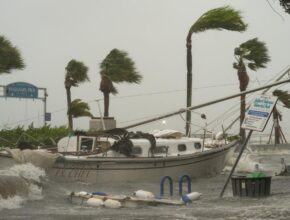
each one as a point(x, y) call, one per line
point(53, 201)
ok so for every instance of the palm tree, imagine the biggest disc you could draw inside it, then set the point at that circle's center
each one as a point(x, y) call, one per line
point(253, 54)
point(117, 67)
point(79, 109)
point(10, 57)
point(216, 19)
point(76, 73)
point(285, 5)
point(283, 97)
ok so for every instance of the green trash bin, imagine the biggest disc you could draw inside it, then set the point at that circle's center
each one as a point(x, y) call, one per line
point(255, 185)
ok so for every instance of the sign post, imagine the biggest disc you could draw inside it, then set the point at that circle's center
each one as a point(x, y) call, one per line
point(256, 119)
point(24, 90)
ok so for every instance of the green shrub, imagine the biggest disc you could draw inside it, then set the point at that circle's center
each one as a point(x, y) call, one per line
point(45, 136)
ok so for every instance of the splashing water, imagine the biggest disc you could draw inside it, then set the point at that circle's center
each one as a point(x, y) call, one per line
point(19, 184)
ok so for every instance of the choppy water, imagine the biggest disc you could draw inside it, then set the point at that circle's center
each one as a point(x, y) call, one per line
point(29, 200)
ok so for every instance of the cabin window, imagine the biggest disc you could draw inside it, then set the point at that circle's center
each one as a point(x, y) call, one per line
point(181, 147)
point(136, 150)
point(86, 144)
point(197, 145)
point(160, 150)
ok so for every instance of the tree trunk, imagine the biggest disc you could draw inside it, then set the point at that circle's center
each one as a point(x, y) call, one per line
point(276, 125)
point(189, 84)
point(106, 104)
point(69, 116)
point(242, 117)
point(244, 81)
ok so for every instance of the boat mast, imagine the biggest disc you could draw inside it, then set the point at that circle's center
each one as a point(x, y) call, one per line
point(206, 104)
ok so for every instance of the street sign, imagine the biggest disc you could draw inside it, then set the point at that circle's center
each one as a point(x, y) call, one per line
point(21, 90)
point(47, 116)
point(259, 112)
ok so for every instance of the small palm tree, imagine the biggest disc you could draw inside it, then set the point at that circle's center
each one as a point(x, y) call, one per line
point(79, 109)
point(216, 19)
point(76, 73)
point(117, 67)
point(10, 57)
point(253, 54)
point(283, 97)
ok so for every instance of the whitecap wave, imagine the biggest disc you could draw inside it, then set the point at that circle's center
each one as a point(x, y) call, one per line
point(20, 183)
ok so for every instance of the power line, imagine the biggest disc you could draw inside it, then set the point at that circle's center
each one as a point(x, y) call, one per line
point(143, 94)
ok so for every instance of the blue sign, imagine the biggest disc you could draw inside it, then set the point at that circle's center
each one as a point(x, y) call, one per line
point(21, 90)
point(258, 113)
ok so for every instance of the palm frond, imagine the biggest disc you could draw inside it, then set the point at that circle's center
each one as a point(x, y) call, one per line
point(283, 97)
point(79, 109)
point(10, 57)
point(286, 5)
point(76, 73)
point(254, 52)
point(257, 53)
point(119, 67)
point(220, 18)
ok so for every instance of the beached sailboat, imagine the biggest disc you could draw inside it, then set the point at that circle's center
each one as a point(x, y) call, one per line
point(137, 158)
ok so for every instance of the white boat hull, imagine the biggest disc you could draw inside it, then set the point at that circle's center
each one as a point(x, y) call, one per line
point(98, 170)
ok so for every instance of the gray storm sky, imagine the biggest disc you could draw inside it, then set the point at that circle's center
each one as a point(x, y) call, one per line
point(51, 33)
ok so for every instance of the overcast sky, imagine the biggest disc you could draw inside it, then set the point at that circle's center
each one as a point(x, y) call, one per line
point(49, 33)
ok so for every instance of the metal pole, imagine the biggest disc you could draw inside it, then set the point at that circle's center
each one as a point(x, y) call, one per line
point(207, 103)
point(101, 115)
point(204, 134)
point(236, 163)
point(44, 100)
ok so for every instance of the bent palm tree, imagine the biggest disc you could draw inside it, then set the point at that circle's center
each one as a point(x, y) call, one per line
point(79, 109)
point(76, 73)
point(253, 54)
point(216, 19)
point(117, 67)
point(286, 5)
point(283, 97)
point(10, 57)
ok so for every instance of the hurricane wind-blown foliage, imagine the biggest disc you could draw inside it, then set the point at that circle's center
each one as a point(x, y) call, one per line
point(254, 55)
point(117, 67)
point(223, 18)
point(10, 57)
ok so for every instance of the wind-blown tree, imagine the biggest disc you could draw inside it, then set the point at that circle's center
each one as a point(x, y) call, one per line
point(223, 18)
point(76, 73)
point(117, 67)
point(286, 5)
point(254, 55)
point(78, 108)
point(284, 98)
point(10, 57)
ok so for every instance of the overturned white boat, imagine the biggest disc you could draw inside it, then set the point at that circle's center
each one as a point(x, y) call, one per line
point(136, 157)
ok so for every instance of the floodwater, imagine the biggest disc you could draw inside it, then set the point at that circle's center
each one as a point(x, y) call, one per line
point(30, 200)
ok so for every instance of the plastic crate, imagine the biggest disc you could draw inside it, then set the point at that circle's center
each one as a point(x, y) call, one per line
point(251, 186)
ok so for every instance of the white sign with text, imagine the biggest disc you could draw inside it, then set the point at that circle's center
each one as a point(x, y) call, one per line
point(258, 114)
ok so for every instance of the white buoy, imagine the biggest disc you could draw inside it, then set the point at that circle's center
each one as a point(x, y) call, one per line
point(95, 202)
point(191, 197)
point(144, 194)
point(113, 204)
